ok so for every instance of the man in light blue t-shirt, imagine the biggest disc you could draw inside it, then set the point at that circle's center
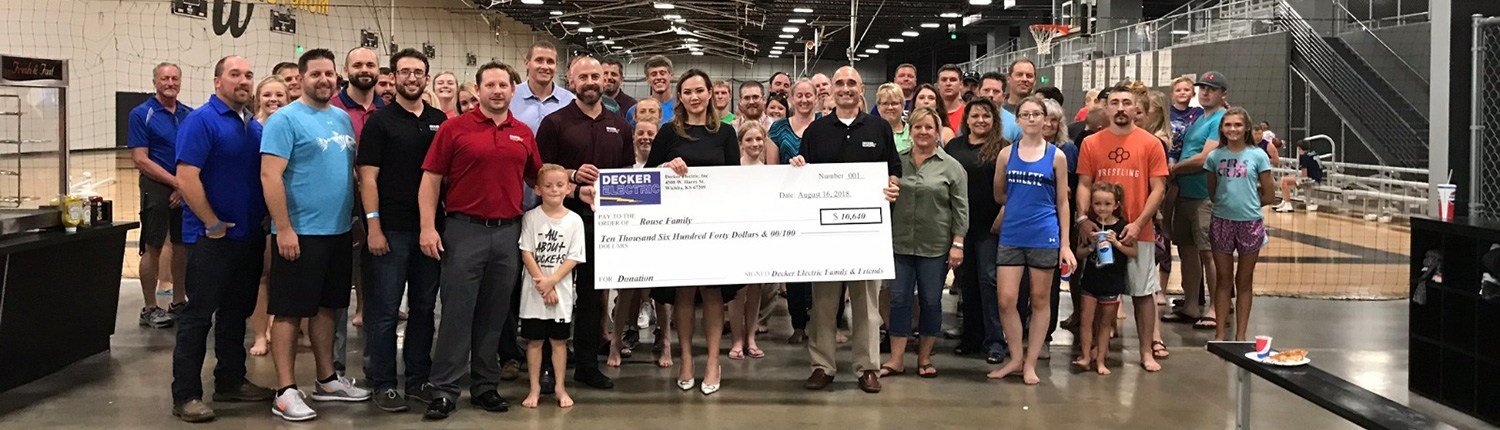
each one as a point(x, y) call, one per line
point(307, 165)
point(1192, 212)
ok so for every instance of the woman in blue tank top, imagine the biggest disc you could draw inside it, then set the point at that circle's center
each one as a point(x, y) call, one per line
point(1031, 234)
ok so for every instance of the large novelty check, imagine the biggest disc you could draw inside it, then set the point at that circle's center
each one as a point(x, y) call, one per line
point(742, 225)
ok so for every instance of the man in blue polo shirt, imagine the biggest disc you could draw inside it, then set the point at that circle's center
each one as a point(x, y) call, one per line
point(1193, 211)
point(153, 146)
point(218, 173)
point(540, 95)
point(307, 170)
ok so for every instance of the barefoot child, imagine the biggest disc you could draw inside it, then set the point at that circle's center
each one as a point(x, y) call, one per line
point(1239, 183)
point(552, 244)
point(1102, 284)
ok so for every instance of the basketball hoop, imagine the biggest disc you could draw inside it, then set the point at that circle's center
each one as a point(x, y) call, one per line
point(1044, 34)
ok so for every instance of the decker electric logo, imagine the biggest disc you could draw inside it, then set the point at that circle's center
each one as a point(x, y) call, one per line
point(633, 188)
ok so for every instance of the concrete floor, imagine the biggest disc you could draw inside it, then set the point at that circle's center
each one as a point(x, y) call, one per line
point(1362, 341)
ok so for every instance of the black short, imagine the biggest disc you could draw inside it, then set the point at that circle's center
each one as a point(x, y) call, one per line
point(540, 329)
point(320, 278)
point(159, 220)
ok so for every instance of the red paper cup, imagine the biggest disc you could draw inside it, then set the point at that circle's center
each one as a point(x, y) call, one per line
point(1262, 346)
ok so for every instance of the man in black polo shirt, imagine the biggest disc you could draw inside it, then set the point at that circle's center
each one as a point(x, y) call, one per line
point(848, 136)
point(584, 137)
point(392, 147)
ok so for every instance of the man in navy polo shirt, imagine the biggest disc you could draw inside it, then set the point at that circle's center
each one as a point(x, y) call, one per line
point(478, 164)
point(359, 100)
point(218, 173)
point(153, 148)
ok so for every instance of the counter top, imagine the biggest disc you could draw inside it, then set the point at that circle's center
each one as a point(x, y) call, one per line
point(33, 240)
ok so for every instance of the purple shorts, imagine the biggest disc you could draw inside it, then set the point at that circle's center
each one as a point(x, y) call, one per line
point(1246, 237)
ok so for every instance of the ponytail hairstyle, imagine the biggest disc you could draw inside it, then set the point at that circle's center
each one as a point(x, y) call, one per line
point(1112, 188)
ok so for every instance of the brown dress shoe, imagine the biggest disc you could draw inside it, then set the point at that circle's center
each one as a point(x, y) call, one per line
point(819, 380)
point(870, 381)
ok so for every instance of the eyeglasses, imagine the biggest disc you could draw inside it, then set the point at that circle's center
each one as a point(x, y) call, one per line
point(415, 73)
point(1031, 115)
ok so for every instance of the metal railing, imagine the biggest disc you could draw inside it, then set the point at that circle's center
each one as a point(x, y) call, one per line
point(1344, 26)
point(1216, 23)
point(1363, 189)
point(1391, 138)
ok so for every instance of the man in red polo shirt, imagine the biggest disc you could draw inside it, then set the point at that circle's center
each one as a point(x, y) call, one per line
point(486, 157)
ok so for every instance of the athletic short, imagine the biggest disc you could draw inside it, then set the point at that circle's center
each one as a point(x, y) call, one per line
point(1141, 275)
point(1110, 299)
point(1245, 237)
point(540, 329)
point(1036, 258)
point(1190, 223)
point(159, 220)
point(320, 278)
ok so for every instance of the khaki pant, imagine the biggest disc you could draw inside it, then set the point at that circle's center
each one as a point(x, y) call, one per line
point(822, 330)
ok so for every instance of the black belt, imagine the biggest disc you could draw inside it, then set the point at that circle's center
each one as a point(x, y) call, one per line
point(487, 222)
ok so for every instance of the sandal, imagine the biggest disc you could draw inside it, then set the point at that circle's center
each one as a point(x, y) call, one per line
point(922, 370)
point(1159, 349)
point(891, 371)
point(626, 352)
point(735, 354)
point(754, 352)
point(1206, 323)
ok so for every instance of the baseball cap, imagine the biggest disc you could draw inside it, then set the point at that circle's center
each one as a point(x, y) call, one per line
point(1213, 79)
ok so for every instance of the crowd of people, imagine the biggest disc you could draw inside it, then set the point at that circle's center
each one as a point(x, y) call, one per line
point(278, 196)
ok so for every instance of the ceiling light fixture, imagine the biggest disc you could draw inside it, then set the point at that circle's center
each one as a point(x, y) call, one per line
point(797, 21)
point(896, 40)
point(980, 2)
point(585, 29)
point(790, 29)
point(531, 1)
point(872, 51)
point(949, 15)
point(665, 5)
point(786, 36)
point(910, 33)
point(931, 25)
point(690, 40)
point(570, 22)
point(864, 55)
point(671, 17)
point(882, 46)
point(1181, 32)
point(781, 42)
point(556, 13)
point(802, 10)
point(607, 42)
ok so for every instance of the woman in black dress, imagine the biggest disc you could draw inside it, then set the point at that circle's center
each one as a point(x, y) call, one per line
point(696, 137)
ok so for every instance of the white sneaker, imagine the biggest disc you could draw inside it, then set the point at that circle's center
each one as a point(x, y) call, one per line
point(648, 312)
point(290, 406)
point(341, 389)
point(1312, 208)
point(1284, 207)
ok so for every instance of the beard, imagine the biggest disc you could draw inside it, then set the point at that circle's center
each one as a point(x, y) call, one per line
point(320, 93)
point(416, 94)
point(363, 81)
point(1123, 119)
point(589, 94)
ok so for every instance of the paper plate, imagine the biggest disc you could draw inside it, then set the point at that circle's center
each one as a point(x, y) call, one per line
point(1251, 355)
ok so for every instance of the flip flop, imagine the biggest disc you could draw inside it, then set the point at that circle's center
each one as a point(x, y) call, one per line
point(735, 354)
point(926, 367)
point(1159, 350)
point(1206, 323)
point(891, 371)
point(756, 353)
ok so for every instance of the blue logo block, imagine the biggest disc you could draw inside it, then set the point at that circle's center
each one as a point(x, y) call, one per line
point(633, 188)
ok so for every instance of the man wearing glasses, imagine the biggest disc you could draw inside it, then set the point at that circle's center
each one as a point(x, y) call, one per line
point(392, 146)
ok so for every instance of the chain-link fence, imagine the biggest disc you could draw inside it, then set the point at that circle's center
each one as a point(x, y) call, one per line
point(1484, 144)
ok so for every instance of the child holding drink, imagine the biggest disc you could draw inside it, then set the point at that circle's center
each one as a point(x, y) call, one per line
point(1102, 276)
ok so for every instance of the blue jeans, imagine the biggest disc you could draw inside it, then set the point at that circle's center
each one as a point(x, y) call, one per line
point(223, 277)
point(923, 277)
point(403, 268)
point(981, 308)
